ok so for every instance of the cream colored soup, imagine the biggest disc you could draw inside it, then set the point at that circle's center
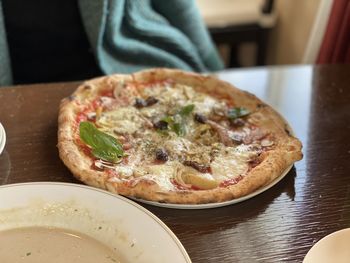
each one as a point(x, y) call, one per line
point(52, 245)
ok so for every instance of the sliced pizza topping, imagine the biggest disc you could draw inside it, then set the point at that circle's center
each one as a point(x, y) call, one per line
point(124, 120)
point(203, 168)
point(237, 112)
point(140, 103)
point(200, 118)
point(189, 177)
point(161, 125)
point(222, 132)
point(266, 143)
point(239, 122)
point(174, 136)
point(232, 162)
point(177, 122)
point(151, 101)
point(161, 155)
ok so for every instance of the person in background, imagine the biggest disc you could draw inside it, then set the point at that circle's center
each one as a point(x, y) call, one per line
point(65, 40)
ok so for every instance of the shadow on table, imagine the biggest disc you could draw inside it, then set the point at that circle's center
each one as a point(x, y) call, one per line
point(210, 220)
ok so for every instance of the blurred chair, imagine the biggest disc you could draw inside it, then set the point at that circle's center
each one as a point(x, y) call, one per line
point(233, 22)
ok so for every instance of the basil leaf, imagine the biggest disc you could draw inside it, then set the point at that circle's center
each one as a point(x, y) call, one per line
point(238, 112)
point(185, 111)
point(104, 146)
point(179, 129)
point(176, 126)
point(176, 123)
point(106, 155)
point(86, 131)
point(169, 120)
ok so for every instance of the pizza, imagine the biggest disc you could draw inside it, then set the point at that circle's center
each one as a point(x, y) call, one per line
point(172, 136)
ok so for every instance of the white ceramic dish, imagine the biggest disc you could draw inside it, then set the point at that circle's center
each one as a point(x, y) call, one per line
point(137, 234)
point(333, 248)
point(215, 205)
point(2, 138)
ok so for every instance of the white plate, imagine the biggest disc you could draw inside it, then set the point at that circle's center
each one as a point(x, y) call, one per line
point(215, 205)
point(138, 235)
point(332, 248)
point(2, 138)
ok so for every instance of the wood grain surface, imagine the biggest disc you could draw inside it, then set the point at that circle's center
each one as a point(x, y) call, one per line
point(279, 225)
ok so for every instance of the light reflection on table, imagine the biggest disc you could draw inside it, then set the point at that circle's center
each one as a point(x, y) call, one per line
point(288, 90)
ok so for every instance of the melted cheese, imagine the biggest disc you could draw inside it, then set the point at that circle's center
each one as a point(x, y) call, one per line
point(124, 171)
point(232, 162)
point(205, 104)
point(123, 120)
point(177, 146)
point(162, 174)
point(150, 112)
point(201, 144)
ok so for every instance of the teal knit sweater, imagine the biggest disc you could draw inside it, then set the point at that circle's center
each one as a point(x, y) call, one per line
point(130, 35)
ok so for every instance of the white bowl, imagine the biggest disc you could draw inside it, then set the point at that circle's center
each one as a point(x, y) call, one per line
point(2, 138)
point(334, 248)
point(137, 234)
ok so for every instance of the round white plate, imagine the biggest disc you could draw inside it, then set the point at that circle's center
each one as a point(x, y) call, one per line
point(215, 205)
point(332, 248)
point(137, 234)
point(2, 138)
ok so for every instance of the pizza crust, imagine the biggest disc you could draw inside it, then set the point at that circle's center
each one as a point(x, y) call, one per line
point(286, 151)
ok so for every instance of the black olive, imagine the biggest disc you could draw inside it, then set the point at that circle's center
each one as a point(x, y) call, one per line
point(238, 122)
point(140, 103)
point(161, 155)
point(151, 101)
point(200, 118)
point(161, 125)
point(198, 166)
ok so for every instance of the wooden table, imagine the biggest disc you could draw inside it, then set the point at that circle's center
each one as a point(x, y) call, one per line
point(279, 225)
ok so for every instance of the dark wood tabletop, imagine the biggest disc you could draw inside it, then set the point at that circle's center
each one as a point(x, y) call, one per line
point(279, 225)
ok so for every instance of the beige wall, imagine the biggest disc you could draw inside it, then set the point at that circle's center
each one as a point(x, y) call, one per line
point(289, 38)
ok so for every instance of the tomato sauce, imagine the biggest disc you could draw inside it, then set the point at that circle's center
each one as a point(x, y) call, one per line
point(80, 117)
point(107, 93)
point(177, 185)
point(111, 173)
point(231, 181)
